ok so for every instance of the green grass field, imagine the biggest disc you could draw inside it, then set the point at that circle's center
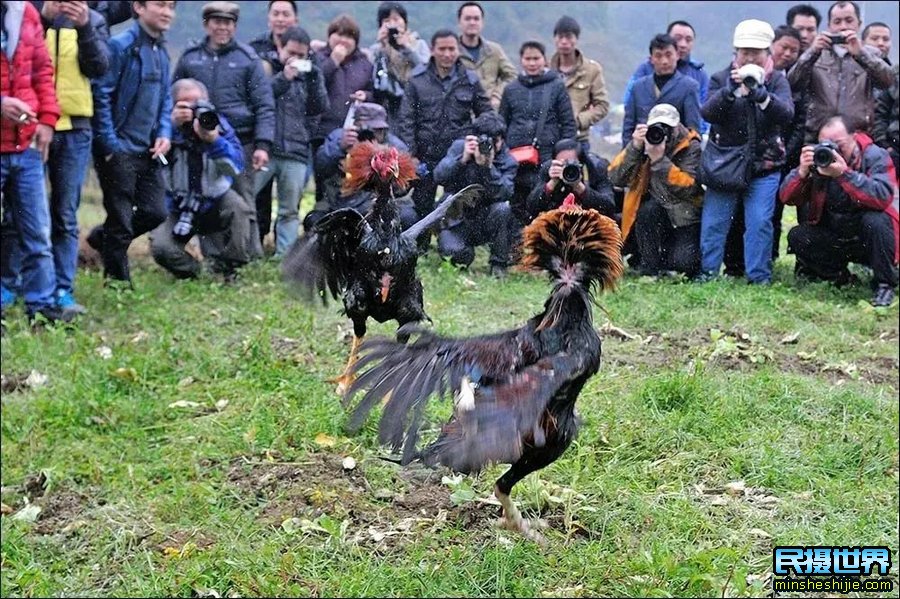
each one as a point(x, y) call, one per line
point(192, 446)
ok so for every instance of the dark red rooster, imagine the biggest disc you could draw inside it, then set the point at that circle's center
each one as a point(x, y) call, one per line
point(514, 392)
point(368, 259)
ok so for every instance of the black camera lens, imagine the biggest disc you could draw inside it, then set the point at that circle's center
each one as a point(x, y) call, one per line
point(393, 32)
point(823, 154)
point(657, 133)
point(485, 144)
point(750, 82)
point(206, 114)
point(571, 173)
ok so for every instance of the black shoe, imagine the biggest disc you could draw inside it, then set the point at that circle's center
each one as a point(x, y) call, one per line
point(95, 238)
point(50, 315)
point(884, 296)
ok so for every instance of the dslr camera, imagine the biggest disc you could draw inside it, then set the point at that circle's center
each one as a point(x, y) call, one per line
point(657, 133)
point(823, 154)
point(485, 144)
point(572, 172)
point(206, 114)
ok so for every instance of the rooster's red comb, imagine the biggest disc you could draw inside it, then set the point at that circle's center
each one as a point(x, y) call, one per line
point(569, 202)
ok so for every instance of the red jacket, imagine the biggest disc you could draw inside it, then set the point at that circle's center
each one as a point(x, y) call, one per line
point(869, 184)
point(28, 77)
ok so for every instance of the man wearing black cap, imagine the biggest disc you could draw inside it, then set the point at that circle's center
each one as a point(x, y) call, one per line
point(584, 79)
point(241, 92)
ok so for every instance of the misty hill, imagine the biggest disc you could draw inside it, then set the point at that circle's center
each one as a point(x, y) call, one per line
point(614, 33)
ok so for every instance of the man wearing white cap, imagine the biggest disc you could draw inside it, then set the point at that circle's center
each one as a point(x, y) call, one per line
point(749, 104)
point(660, 168)
point(838, 73)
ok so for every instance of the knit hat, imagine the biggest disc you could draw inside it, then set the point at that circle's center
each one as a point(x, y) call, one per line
point(753, 33)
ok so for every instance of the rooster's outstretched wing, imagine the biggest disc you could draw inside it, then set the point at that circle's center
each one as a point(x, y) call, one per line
point(500, 385)
point(320, 262)
point(464, 197)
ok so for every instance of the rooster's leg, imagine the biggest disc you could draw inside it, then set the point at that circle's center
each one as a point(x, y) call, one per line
point(345, 380)
point(512, 519)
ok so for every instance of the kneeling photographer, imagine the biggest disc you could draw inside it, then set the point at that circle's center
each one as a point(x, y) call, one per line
point(366, 121)
point(847, 183)
point(480, 158)
point(664, 200)
point(205, 158)
point(572, 170)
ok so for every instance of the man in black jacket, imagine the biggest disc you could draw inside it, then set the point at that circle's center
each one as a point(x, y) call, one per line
point(237, 84)
point(437, 107)
point(479, 158)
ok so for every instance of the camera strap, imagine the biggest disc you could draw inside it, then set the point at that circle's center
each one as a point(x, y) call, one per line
point(186, 172)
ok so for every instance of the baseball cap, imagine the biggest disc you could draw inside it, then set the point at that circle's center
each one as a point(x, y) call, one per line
point(665, 114)
point(221, 10)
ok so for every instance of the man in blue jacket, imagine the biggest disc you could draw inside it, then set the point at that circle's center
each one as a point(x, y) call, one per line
point(665, 85)
point(132, 134)
point(206, 156)
point(683, 34)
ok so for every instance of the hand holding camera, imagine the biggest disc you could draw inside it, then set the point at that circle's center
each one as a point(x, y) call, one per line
point(825, 157)
point(639, 136)
point(750, 78)
point(296, 67)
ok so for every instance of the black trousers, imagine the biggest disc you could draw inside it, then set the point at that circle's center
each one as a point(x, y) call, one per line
point(824, 253)
point(662, 246)
point(231, 217)
point(134, 199)
point(489, 225)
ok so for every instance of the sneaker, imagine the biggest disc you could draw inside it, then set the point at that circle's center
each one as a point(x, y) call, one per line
point(66, 302)
point(49, 315)
point(884, 296)
point(7, 297)
point(706, 277)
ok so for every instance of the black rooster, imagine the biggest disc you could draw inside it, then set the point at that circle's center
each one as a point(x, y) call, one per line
point(515, 391)
point(368, 259)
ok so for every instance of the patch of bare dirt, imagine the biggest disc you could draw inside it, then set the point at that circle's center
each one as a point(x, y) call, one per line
point(297, 494)
point(61, 510)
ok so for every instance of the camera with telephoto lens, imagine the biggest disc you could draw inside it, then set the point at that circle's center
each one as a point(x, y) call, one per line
point(393, 32)
point(188, 204)
point(485, 144)
point(750, 82)
point(206, 114)
point(572, 172)
point(823, 154)
point(657, 133)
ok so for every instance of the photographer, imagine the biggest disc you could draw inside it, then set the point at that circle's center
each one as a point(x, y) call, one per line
point(396, 53)
point(847, 182)
point(300, 96)
point(571, 170)
point(369, 124)
point(838, 73)
point(749, 107)
point(480, 158)
point(205, 158)
point(663, 202)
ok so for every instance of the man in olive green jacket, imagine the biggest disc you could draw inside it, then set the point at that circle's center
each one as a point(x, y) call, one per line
point(583, 77)
point(486, 58)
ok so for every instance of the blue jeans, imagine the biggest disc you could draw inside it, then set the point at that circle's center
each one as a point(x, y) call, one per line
point(67, 166)
point(27, 230)
point(290, 176)
point(718, 212)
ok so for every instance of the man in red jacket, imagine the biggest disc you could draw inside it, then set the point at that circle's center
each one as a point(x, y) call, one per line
point(847, 183)
point(28, 115)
